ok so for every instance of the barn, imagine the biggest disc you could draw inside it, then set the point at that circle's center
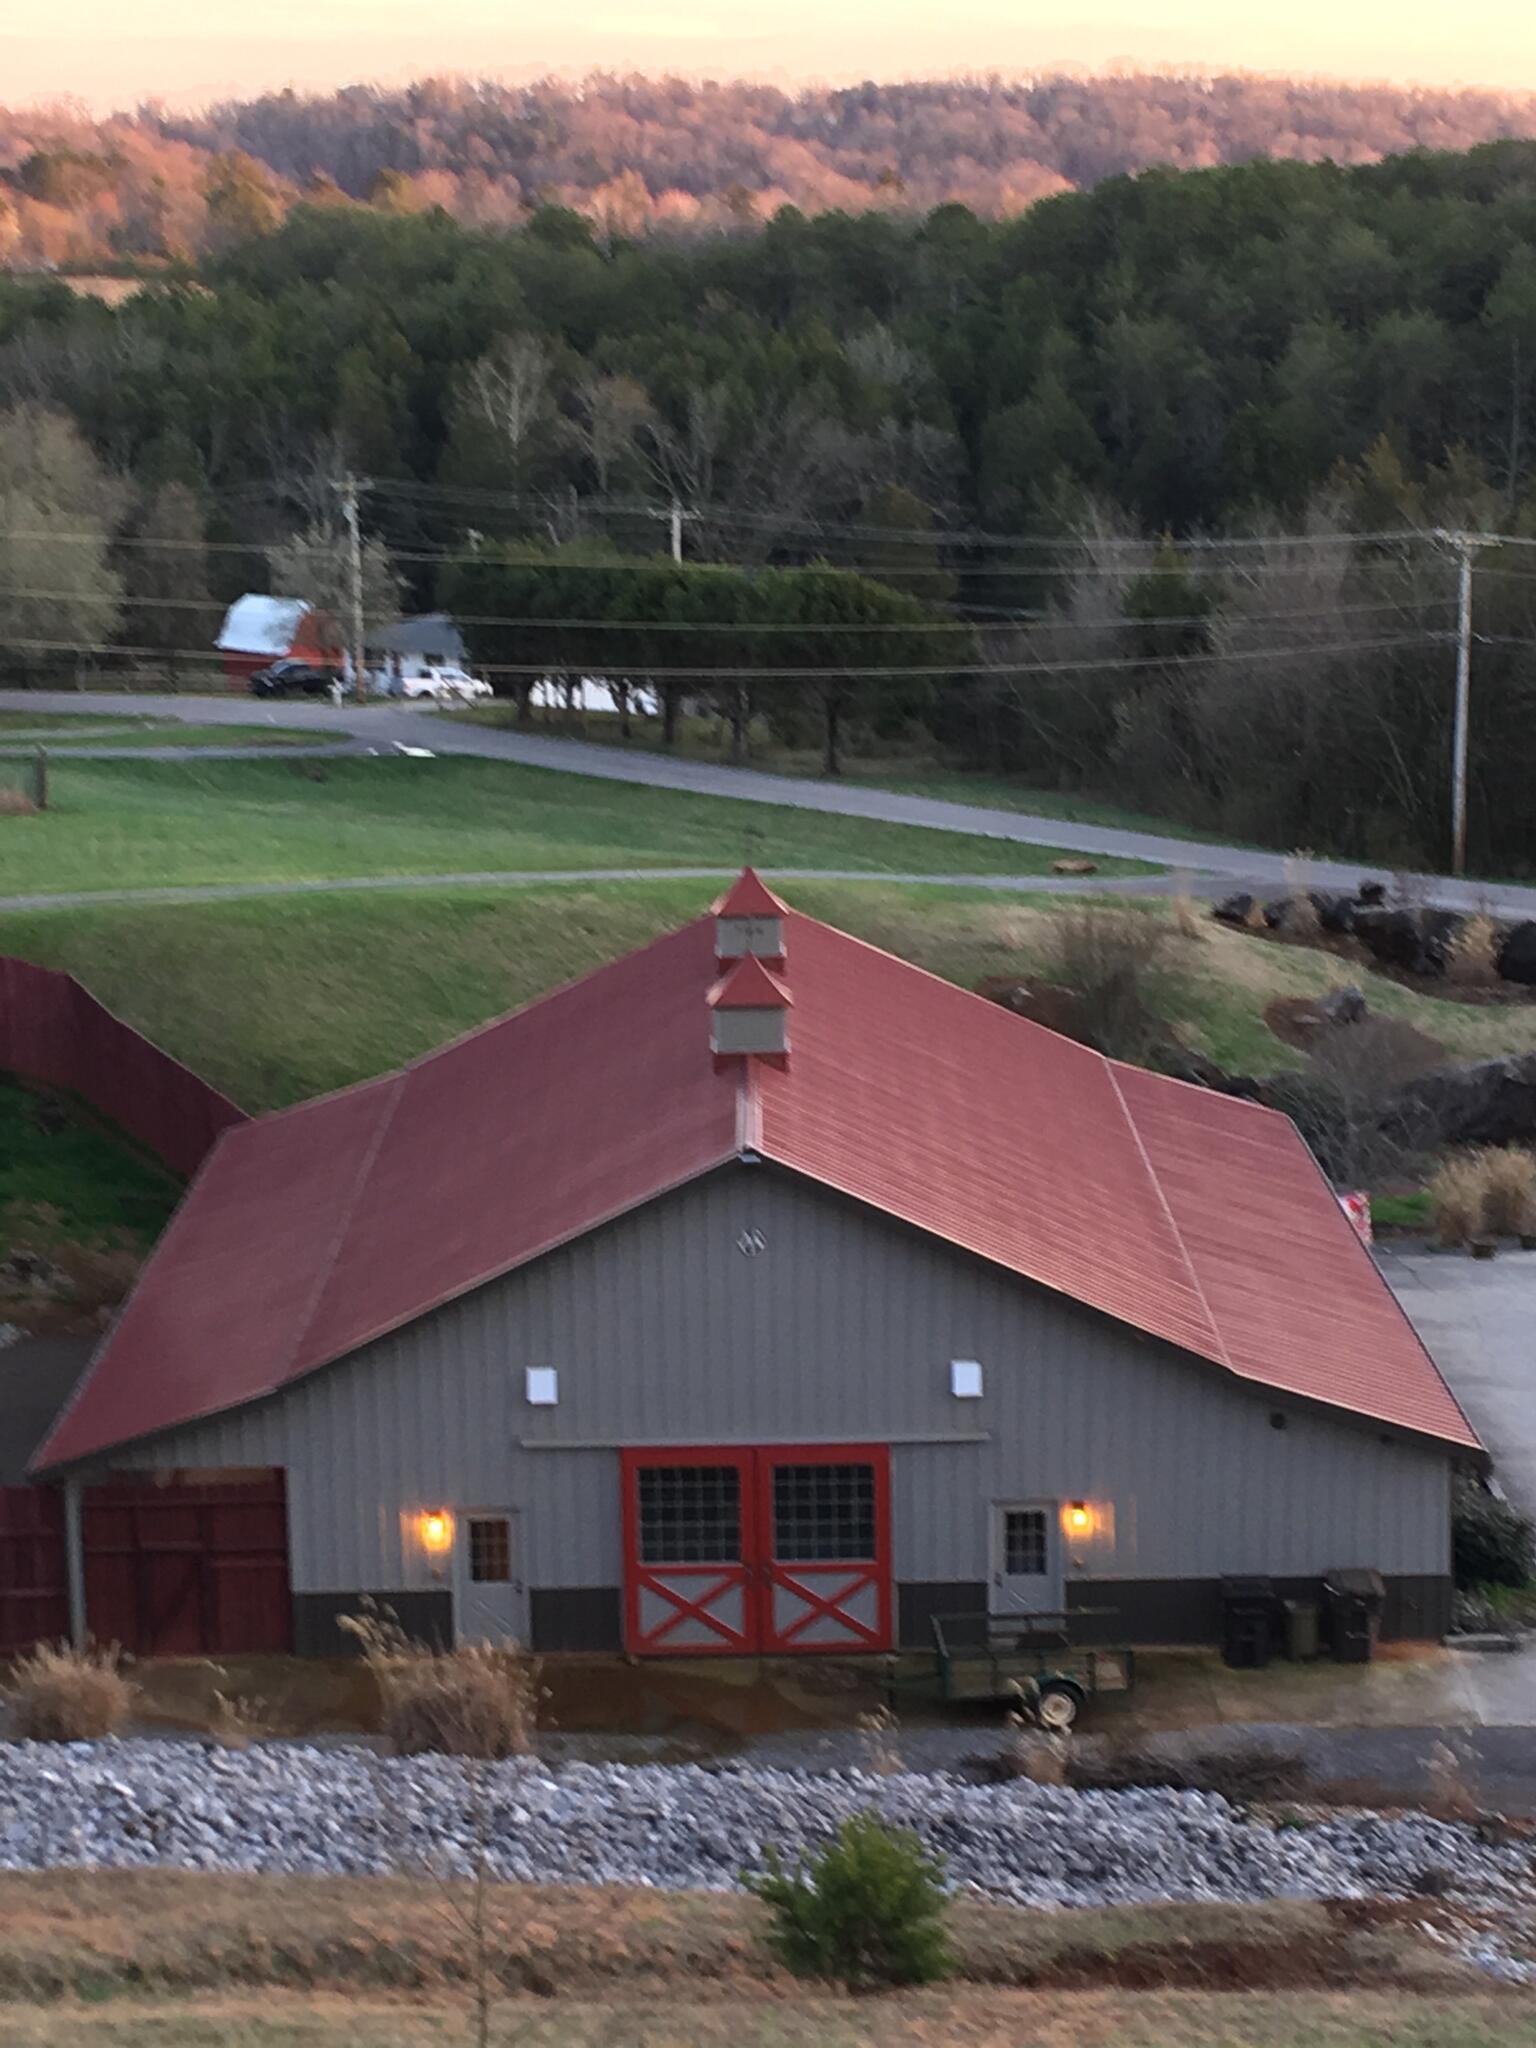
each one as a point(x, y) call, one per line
point(763, 1294)
point(259, 630)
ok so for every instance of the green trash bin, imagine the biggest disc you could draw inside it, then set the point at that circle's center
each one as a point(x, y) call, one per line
point(1301, 1631)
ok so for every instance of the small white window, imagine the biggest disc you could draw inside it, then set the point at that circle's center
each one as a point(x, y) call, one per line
point(965, 1379)
point(543, 1386)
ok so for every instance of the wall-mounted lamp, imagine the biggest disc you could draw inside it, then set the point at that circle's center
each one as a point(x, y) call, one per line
point(434, 1528)
point(542, 1384)
point(965, 1379)
point(1079, 1518)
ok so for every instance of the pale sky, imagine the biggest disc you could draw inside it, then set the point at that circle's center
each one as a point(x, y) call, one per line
point(116, 52)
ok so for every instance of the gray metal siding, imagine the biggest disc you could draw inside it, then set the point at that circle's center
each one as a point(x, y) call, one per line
point(841, 1327)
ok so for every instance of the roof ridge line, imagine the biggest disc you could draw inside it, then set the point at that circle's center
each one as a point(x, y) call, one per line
point(749, 1110)
point(348, 1212)
point(1167, 1208)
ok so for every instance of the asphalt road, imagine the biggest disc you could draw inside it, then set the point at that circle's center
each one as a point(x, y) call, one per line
point(383, 724)
point(1478, 1321)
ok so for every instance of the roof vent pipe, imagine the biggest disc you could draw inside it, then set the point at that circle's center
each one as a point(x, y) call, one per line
point(749, 922)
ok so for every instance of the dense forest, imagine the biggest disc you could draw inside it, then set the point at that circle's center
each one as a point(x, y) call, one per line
point(1159, 462)
point(634, 154)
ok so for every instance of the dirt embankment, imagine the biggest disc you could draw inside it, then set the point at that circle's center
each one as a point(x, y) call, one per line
point(70, 1934)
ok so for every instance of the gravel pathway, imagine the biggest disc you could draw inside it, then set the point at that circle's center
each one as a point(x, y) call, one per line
point(505, 878)
point(291, 1808)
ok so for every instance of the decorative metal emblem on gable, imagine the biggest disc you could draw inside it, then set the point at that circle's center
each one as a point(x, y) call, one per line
point(751, 1244)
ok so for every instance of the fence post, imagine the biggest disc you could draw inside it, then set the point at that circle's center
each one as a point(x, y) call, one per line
point(40, 779)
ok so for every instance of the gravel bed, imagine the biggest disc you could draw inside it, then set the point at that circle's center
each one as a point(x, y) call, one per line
point(292, 1808)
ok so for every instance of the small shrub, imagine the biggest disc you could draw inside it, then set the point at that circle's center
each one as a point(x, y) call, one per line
point(1491, 1543)
point(1456, 1191)
point(867, 1912)
point(1509, 1190)
point(61, 1694)
point(1472, 958)
point(1110, 959)
point(477, 1700)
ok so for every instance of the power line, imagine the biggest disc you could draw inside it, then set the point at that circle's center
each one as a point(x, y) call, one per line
point(943, 536)
point(648, 672)
point(746, 629)
point(445, 556)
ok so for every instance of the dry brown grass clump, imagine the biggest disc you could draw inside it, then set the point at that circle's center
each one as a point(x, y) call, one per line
point(60, 1694)
point(1472, 958)
point(236, 1721)
point(1456, 1199)
point(881, 1731)
point(1187, 920)
point(1299, 920)
point(1509, 1190)
point(477, 1700)
point(1490, 1192)
point(15, 803)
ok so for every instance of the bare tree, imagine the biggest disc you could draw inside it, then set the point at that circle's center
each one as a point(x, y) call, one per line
point(507, 395)
point(58, 509)
point(315, 565)
point(610, 414)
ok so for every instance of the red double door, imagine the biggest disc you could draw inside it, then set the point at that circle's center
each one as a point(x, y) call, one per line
point(736, 1552)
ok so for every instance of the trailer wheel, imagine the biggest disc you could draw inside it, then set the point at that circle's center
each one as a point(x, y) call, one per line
point(1060, 1702)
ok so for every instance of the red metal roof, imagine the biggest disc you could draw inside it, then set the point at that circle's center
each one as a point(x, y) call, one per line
point(749, 986)
point(1200, 1220)
point(749, 896)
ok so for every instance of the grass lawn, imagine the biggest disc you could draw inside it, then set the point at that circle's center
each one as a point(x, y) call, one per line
point(93, 1186)
point(131, 1959)
point(274, 1000)
point(156, 823)
point(62, 730)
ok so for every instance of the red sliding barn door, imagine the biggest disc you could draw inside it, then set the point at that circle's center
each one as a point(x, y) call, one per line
point(688, 1568)
point(824, 1543)
point(732, 1551)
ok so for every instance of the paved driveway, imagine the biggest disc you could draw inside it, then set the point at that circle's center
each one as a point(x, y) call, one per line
point(384, 723)
point(1478, 1319)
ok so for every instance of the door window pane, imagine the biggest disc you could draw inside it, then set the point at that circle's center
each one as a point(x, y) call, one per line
point(1024, 1543)
point(490, 1549)
point(823, 1512)
point(690, 1514)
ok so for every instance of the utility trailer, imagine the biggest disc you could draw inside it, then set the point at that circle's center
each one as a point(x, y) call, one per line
point(1029, 1657)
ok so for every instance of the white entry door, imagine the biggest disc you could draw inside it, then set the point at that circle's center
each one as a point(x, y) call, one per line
point(490, 1602)
point(1026, 1557)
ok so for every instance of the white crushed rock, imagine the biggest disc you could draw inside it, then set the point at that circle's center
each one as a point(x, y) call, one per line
point(292, 1808)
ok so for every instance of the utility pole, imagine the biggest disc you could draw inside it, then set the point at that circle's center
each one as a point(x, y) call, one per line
point(1465, 545)
point(349, 490)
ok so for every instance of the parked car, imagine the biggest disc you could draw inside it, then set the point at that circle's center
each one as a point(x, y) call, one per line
point(446, 685)
point(294, 679)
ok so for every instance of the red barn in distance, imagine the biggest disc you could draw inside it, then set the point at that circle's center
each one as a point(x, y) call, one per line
point(258, 630)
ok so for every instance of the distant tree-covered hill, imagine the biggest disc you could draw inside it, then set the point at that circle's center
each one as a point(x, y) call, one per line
point(636, 153)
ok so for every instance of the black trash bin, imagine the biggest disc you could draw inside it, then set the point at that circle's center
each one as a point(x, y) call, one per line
point(1355, 1597)
point(1247, 1622)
